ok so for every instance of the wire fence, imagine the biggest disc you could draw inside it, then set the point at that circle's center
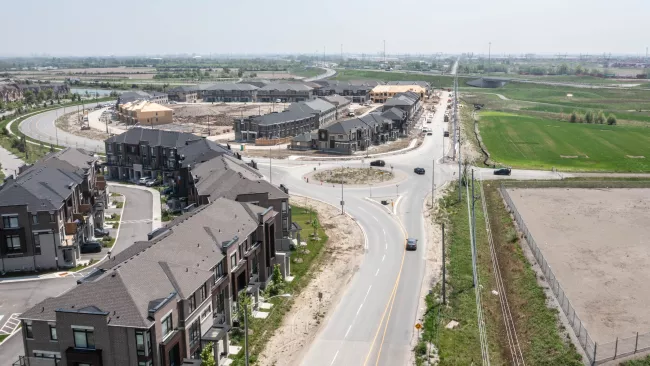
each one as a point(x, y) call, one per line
point(596, 352)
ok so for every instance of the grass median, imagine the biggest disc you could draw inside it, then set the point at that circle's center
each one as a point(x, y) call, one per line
point(541, 340)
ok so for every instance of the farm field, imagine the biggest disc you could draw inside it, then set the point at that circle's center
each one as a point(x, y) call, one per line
point(437, 81)
point(537, 143)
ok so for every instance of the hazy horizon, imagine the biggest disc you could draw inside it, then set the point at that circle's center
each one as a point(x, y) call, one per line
point(164, 27)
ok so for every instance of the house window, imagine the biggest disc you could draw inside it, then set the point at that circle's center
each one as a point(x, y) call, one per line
point(241, 250)
point(84, 337)
point(29, 332)
point(119, 148)
point(218, 271)
point(204, 292)
point(53, 336)
point(143, 342)
point(233, 261)
point(221, 302)
point(13, 244)
point(109, 148)
point(192, 302)
point(167, 325)
point(10, 222)
point(194, 333)
point(35, 219)
point(37, 243)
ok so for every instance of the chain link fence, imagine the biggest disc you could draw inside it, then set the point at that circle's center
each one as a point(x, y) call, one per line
point(597, 353)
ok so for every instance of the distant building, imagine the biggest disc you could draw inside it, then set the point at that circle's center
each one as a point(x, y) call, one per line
point(229, 92)
point(357, 92)
point(342, 105)
point(426, 85)
point(275, 125)
point(409, 102)
point(57, 89)
point(187, 94)
point(10, 92)
point(381, 93)
point(145, 113)
point(285, 93)
point(325, 110)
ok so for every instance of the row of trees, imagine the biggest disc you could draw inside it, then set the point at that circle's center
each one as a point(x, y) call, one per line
point(200, 75)
point(30, 97)
point(592, 117)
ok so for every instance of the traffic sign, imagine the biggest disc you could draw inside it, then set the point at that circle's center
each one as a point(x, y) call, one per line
point(418, 326)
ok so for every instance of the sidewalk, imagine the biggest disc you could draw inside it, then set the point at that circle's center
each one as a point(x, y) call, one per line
point(10, 162)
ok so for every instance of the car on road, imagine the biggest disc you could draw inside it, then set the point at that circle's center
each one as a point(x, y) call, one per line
point(503, 171)
point(445, 134)
point(99, 232)
point(419, 171)
point(429, 133)
point(411, 244)
point(377, 163)
point(91, 247)
point(152, 182)
point(143, 180)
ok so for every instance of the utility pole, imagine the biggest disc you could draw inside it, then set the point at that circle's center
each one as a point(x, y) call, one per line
point(246, 332)
point(460, 191)
point(342, 202)
point(433, 182)
point(341, 53)
point(489, 55)
point(473, 241)
point(384, 52)
point(270, 167)
point(444, 295)
point(56, 130)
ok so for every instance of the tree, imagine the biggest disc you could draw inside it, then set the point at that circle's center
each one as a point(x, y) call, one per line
point(589, 117)
point(611, 120)
point(226, 70)
point(563, 70)
point(29, 97)
point(574, 117)
point(49, 94)
point(600, 118)
point(580, 70)
point(207, 356)
point(240, 72)
point(243, 305)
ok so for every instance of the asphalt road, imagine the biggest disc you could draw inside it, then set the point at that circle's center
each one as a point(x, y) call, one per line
point(20, 296)
point(41, 127)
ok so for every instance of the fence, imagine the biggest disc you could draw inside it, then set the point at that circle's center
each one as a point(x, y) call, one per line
point(597, 353)
point(36, 361)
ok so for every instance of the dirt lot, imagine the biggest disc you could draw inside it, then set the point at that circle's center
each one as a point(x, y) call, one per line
point(71, 123)
point(341, 260)
point(596, 242)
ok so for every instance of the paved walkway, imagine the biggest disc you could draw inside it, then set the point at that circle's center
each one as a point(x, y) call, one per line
point(10, 162)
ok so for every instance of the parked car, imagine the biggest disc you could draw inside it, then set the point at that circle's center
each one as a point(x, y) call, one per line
point(152, 182)
point(502, 171)
point(99, 232)
point(167, 190)
point(411, 244)
point(91, 247)
point(419, 171)
point(429, 133)
point(377, 163)
point(143, 180)
point(445, 134)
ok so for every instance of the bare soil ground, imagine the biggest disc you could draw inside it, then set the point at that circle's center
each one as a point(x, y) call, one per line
point(340, 261)
point(71, 123)
point(354, 175)
point(596, 242)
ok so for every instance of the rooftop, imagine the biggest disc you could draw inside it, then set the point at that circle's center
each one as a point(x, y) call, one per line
point(154, 137)
point(398, 88)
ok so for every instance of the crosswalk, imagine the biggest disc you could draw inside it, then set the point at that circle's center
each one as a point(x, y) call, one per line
point(10, 324)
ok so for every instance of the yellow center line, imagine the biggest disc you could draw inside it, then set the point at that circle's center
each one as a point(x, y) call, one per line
point(390, 303)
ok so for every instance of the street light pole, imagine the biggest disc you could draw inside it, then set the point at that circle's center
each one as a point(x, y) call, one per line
point(342, 203)
point(246, 333)
point(270, 167)
point(433, 182)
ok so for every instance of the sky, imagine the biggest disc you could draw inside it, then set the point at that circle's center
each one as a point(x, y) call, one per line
point(165, 27)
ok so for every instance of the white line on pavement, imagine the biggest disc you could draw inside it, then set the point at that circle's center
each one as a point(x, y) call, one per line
point(346, 333)
point(376, 273)
point(334, 359)
point(384, 257)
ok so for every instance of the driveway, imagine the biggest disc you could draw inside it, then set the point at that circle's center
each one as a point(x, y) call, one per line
point(10, 162)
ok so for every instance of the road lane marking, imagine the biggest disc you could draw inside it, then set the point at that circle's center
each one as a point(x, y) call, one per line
point(376, 273)
point(346, 333)
point(384, 257)
point(334, 359)
point(385, 241)
point(358, 310)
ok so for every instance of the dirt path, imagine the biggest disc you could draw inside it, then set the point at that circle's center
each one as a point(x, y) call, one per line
point(71, 123)
point(341, 259)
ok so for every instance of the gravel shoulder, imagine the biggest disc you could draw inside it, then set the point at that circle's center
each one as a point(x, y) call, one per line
point(331, 275)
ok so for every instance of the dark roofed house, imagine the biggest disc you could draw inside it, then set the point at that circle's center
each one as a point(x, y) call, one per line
point(230, 92)
point(187, 94)
point(275, 125)
point(408, 102)
point(356, 91)
point(154, 306)
point(285, 93)
point(304, 141)
point(325, 110)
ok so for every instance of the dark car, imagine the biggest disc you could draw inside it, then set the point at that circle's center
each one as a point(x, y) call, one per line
point(445, 134)
point(411, 244)
point(502, 171)
point(91, 247)
point(429, 133)
point(419, 171)
point(99, 232)
point(377, 163)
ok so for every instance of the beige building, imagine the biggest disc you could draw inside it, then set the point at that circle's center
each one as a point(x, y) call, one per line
point(381, 93)
point(144, 112)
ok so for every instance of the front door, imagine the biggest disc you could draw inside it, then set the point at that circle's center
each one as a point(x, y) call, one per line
point(174, 356)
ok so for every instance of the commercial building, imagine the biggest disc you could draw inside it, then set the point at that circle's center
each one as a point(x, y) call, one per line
point(143, 152)
point(151, 306)
point(229, 92)
point(274, 125)
point(186, 94)
point(145, 113)
point(48, 210)
point(381, 93)
point(285, 93)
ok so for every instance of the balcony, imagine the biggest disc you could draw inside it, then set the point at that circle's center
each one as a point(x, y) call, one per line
point(70, 228)
point(85, 208)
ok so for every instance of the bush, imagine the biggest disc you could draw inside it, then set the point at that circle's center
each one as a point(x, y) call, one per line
point(611, 120)
point(589, 117)
point(574, 117)
point(600, 118)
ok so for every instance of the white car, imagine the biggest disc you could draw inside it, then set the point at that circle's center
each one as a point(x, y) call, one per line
point(143, 180)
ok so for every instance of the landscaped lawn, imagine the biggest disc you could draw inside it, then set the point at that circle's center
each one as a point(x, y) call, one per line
point(531, 142)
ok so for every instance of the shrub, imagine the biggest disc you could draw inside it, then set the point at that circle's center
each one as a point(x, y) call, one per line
point(589, 117)
point(574, 117)
point(600, 118)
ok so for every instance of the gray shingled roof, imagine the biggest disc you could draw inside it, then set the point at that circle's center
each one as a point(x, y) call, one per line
point(402, 100)
point(285, 87)
point(231, 86)
point(178, 262)
point(131, 96)
point(335, 98)
point(184, 89)
point(393, 114)
point(154, 137)
point(281, 117)
point(201, 151)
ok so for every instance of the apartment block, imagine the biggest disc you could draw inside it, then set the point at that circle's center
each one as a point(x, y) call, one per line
point(285, 93)
point(150, 306)
point(48, 209)
point(382, 93)
point(275, 125)
point(186, 94)
point(229, 92)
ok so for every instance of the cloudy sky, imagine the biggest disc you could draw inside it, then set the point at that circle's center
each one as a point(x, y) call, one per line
point(155, 27)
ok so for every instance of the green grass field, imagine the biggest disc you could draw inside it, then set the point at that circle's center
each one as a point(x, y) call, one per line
point(530, 142)
point(307, 72)
point(437, 81)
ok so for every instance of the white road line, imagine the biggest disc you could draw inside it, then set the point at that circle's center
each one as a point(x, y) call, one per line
point(385, 241)
point(334, 359)
point(346, 333)
point(358, 310)
point(376, 273)
point(1, 316)
point(384, 257)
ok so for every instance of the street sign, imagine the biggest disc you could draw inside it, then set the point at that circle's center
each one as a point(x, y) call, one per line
point(342, 203)
point(418, 326)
